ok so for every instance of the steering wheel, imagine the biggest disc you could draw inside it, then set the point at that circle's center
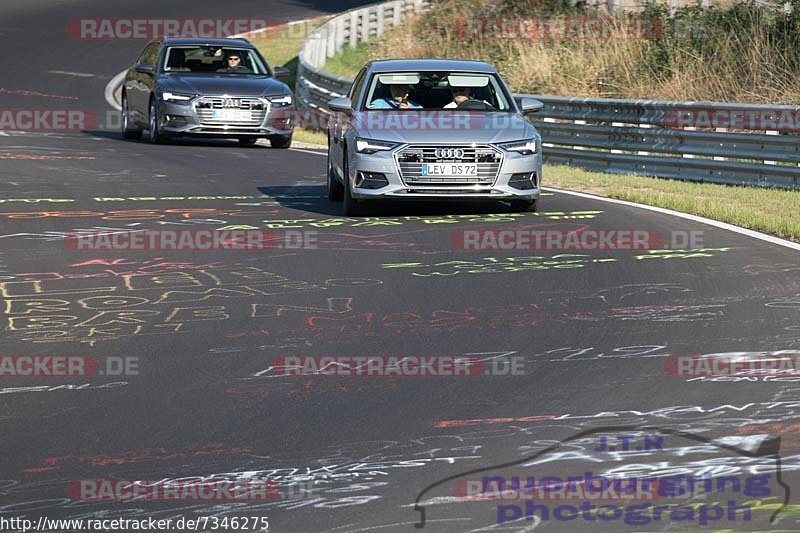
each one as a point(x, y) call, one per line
point(474, 103)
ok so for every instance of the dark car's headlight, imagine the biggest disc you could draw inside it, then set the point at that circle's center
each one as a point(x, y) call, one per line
point(278, 101)
point(370, 146)
point(524, 147)
point(176, 98)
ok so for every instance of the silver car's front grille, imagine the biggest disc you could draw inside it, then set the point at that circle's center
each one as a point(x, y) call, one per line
point(411, 159)
point(234, 111)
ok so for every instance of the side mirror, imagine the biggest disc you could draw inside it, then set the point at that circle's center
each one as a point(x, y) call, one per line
point(281, 72)
point(530, 105)
point(341, 105)
point(144, 68)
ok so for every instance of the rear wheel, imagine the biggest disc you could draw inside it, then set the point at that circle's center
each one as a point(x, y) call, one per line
point(335, 189)
point(280, 141)
point(127, 131)
point(156, 137)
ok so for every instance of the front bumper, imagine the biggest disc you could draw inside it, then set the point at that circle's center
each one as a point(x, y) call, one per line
point(507, 182)
point(189, 119)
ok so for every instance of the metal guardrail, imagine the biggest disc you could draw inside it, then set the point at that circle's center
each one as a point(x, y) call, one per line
point(653, 137)
point(648, 137)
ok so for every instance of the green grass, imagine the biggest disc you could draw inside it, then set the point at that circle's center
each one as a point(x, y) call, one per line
point(349, 60)
point(772, 211)
point(310, 137)
point(280, 47)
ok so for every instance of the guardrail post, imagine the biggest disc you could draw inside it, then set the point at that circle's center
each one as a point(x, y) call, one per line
point(381, 13)
point(353, 28)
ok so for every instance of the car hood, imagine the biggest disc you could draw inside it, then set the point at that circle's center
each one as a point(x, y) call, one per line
point(435, 126)
point(223, 84)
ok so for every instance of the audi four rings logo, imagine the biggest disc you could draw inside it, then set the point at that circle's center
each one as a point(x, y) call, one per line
point(230, 102)
point(449, 153)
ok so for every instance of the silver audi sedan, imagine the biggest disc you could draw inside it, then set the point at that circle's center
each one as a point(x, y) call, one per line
point(432, 129)
point(206, 87)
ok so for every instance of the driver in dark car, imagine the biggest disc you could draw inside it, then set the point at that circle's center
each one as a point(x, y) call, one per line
point(233, 63)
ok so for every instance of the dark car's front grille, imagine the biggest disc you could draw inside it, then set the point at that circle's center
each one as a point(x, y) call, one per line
point(486, 159)
point(215, 111)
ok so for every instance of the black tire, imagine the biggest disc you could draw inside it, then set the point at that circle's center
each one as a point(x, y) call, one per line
point(247, 141)
point(335, 188)
point(352, 207)
point(156, 137)
point(525, 205)
point(281, 141)
point(127, 131)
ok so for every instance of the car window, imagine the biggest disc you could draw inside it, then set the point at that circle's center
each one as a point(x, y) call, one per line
point(149, 54)
point(435, 90)
point(358, 83)
point(207, 59)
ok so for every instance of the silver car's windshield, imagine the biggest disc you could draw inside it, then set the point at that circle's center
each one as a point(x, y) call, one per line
point(468, 91)
point(213, 59)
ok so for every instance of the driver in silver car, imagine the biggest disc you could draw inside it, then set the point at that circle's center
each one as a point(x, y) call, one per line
point(399, 99)
point(460, 95)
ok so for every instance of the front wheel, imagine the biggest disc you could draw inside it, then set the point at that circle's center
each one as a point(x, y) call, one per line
point(127, 131)
point(335, 189)
point(352, 207)
point(156, 137)
point(281, 141)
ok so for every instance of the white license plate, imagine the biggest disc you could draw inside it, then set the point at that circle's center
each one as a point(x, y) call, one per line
point(449, 169)
point(233, 115)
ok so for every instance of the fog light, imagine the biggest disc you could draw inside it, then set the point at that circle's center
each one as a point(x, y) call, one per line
point(371, 180)
point(524, 182)
point(175, 121)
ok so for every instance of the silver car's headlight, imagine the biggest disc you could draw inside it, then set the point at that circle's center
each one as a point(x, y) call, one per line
point(176, 98)
point(281, 100)
point(524, 147)
point(370, 146)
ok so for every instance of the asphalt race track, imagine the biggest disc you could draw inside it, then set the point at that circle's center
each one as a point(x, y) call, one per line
point(589, 332)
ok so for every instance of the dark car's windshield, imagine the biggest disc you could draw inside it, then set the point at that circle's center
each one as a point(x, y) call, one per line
point(213, 59)
point(436, 90)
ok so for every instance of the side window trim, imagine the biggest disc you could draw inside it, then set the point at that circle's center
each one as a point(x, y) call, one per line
point(358, 83)
point(150, 54)
point(155, 55)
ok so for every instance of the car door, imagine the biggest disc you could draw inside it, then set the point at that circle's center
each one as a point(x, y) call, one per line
point(139, 84)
